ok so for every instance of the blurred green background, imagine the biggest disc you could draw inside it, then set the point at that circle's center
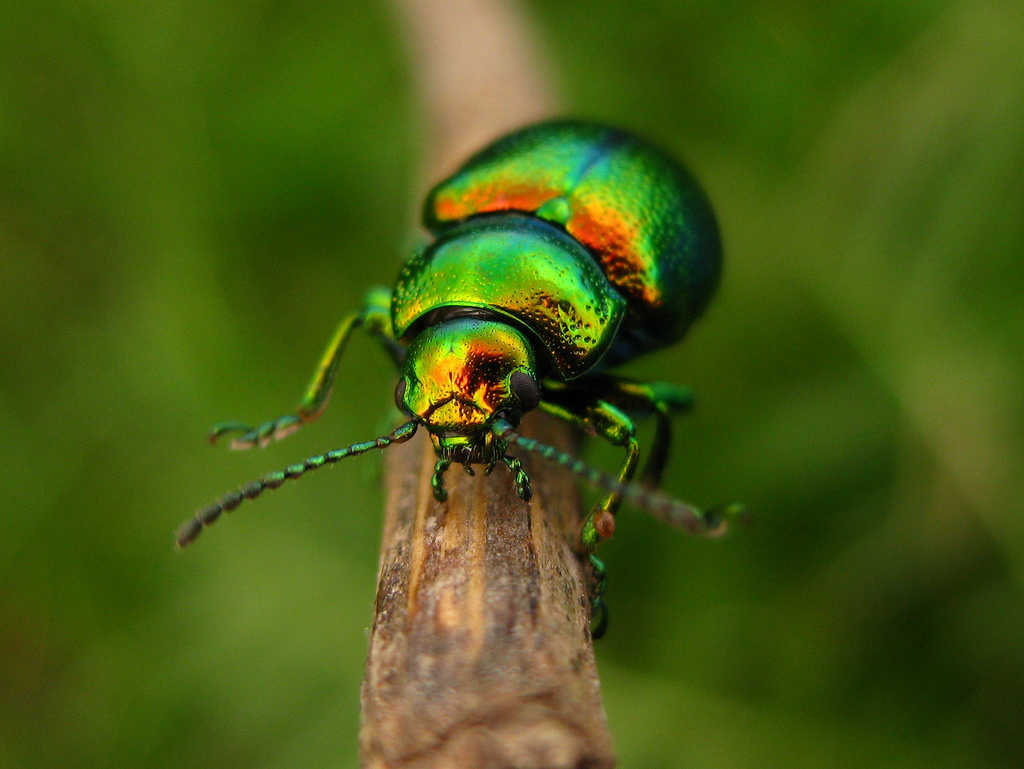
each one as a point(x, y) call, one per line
point(191, 196)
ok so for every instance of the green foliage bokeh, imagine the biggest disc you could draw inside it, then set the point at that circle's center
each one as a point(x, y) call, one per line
point(193, 194)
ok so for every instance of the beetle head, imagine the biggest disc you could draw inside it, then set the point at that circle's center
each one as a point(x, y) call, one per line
point(459, 375)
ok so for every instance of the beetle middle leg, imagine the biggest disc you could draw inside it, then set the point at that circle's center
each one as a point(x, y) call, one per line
point(602, 404)
point(608, 421)
point(375, 319)
point(662, 399)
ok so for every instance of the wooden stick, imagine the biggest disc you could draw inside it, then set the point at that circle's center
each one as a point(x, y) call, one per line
point(480, 653)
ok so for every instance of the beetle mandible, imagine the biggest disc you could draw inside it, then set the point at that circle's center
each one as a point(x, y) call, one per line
point(560, 250)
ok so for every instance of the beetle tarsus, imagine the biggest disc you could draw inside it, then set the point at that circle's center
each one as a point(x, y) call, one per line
point(261, 435)
point(523, 488)
point(437, 479)
point(598, 607)
point(223, 428)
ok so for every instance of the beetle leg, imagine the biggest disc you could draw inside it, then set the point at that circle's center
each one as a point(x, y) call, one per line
point(598, 607)
point(375, 319)
point(523, 488)
point(660, 398)
point(498, 450)
point(377, 322)
point(609, 422)
point(437, 479)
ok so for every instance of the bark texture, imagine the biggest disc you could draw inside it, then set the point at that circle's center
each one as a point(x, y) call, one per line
point(480, 654)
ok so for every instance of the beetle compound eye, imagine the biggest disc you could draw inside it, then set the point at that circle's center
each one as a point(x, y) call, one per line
point(400, 396)
point(526, 389)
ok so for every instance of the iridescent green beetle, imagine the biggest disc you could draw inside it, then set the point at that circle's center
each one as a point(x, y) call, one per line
point(561, 250)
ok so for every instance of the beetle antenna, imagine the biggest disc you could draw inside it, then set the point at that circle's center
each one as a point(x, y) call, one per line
point(672, 511)
point(193, 527)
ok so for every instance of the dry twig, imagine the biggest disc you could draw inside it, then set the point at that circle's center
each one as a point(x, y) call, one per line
point(480, 653)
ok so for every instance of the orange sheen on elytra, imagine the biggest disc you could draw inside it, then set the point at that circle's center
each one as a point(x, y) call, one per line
point(641, 216)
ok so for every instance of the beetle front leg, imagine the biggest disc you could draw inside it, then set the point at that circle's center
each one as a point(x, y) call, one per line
point(375, 320)
point(437, 479)
point(523, 488)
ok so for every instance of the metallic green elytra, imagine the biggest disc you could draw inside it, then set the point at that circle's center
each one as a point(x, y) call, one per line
point(560, 250)
point(644, 219)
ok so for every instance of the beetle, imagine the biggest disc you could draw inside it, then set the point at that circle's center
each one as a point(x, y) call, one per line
point(560, 250)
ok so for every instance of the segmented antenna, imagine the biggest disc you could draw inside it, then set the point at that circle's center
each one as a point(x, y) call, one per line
point(673, 511)
point(193, 527)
